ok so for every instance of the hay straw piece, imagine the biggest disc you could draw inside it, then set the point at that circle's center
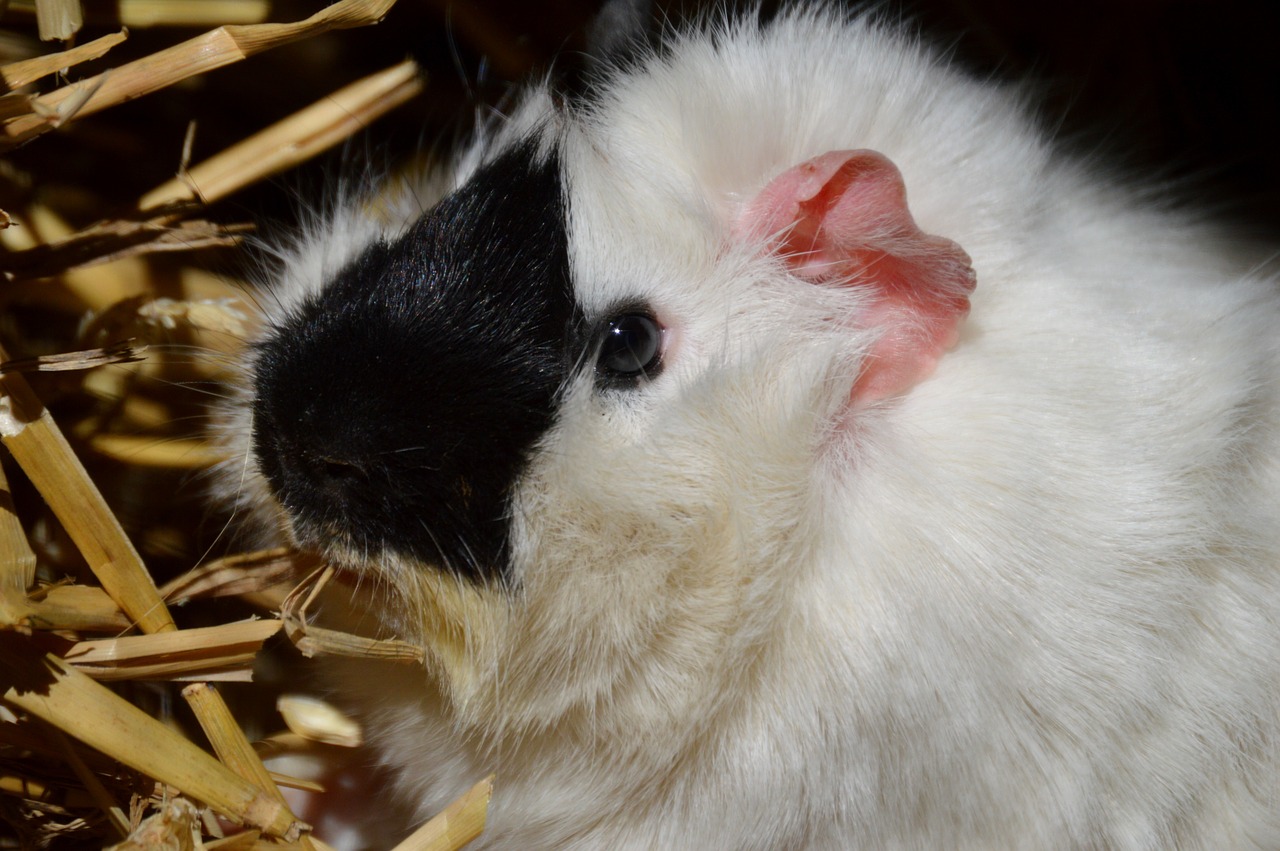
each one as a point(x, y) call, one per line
point(246, 841)
point(204, 53)
point(58, 19)
point(88, 711)
point(319, 721)
point(38, 446)
point(221, 320)
point(15, 75)
point(120, 352)
point(13, 105)
point(114, 239)
point(284, 780)
point(178, 653)
point(317, 641)
point(220, 315)
point(293, 140)
point(230, 744)
point(81, 608)
point(78, 290)
point(281, 744)
point(313, 641)
point(217, 721)
point(230, 576)
point(206, 13)
point(141, 14)
point(455, 826)
point(174, 828)
point(167, 453)
point(44, 116)
point(17, 561)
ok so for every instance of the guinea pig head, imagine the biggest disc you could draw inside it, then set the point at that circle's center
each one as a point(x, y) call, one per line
point(585, 471)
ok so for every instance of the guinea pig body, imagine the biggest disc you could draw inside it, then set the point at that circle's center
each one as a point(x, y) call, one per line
point(782, 447)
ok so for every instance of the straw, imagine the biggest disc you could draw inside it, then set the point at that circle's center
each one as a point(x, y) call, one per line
point(55, 692)
point(215, 49)
point(38, 446)
point(58, 19)
point(18, 74)
point(318, 641)
point(458, 824)
point(140, 14)
point(79, 609)
point(293, 140)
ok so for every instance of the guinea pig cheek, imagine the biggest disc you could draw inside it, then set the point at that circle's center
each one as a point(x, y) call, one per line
point(841, 220)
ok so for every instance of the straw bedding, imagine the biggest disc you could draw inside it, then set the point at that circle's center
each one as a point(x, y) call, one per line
point(124, 711)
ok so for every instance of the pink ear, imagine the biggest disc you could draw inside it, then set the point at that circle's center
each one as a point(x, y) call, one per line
point(841, 218)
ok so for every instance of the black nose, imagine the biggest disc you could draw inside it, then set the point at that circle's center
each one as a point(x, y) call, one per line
point(325, 469)
point(334, 472)
point(411, 453)
point(343, 474)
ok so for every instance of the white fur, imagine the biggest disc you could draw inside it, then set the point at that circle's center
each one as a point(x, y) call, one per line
point(1032, 603)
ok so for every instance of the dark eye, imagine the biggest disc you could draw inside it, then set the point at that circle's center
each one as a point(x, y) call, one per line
point(631, 347)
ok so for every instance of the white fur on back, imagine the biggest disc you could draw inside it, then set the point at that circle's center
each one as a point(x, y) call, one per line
point(1035, 602)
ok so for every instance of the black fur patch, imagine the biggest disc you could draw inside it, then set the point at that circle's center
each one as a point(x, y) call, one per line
point(397, 408)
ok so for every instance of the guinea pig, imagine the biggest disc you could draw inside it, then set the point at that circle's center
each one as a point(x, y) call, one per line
point(774, 442)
